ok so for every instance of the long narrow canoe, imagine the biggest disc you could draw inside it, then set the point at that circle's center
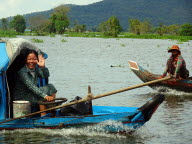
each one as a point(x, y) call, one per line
point(146, 76)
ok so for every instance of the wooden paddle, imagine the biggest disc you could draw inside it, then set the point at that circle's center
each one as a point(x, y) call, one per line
point(90, 97)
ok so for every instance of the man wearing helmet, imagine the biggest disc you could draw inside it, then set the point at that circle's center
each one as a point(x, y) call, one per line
point(176, 65)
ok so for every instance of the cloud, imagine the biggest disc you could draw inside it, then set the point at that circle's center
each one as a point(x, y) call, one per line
point(14, 7)
point(10, 7)
point(79, 2)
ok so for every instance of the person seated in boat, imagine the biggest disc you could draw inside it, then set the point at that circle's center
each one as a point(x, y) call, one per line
point(27, 79)
point(176, 65)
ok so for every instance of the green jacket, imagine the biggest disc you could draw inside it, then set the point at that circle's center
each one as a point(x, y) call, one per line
point(26, 85)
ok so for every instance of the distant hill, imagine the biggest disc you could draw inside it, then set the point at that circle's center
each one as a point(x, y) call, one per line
point(158, 11)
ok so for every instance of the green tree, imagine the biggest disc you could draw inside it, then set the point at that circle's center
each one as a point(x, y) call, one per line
point(59, 20)
point(186, 30)
point(145, 27)
point(39, 24)
point(111, 27)
point(162, 29)
point(52, 28)
point(135, 26)
point(5, 24)
point(79, 27)
point(173, 29)
point(18, 23)
point(103, 26)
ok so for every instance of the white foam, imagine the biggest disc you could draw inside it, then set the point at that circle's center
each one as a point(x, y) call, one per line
point(169, 91)
point(88, 131)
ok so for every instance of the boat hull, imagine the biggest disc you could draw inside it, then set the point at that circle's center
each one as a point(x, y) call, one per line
point(79, 121)
point(130, 118)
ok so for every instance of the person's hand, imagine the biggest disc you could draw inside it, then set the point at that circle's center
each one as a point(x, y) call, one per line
point(41, 61)
point(49, 98)
point(180, 78)
point(161, 77)
point(174, 79)
point(174, 76)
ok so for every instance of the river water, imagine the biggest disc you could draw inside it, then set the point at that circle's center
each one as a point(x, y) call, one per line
point(80, 62)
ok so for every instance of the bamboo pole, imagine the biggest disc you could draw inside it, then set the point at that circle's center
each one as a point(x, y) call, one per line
point(90, 97)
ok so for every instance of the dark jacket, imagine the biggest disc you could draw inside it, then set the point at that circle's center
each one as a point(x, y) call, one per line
point(176, 67)
point(26, 85)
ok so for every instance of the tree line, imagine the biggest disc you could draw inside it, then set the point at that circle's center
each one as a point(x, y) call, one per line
point(59, 23)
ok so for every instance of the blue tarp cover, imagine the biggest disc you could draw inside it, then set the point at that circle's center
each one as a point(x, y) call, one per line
point(4, 59)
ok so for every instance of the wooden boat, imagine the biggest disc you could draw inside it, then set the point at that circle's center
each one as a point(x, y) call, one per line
point(146, 76)
point(130, 117)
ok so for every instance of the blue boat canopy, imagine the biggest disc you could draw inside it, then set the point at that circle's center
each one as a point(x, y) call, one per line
point(4, 57)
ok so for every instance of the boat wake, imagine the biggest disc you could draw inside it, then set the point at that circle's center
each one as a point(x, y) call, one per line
point(89, 131)
point(95, 134)
point(169, 91)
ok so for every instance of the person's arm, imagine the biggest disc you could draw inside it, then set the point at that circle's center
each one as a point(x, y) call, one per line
point(178, 67)
point(42, 71)
point(166, 69)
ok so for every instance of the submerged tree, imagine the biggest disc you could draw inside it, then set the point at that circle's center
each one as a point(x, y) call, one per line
point(39, 24)
point(52, 28)
point(162, 29)
point(145, 27)
point(18, 23)
point(79, 27)
point(135, 26)
point(111, 27)
point(186, 30)
point(59, 19)
point(173, 29)
point(5, 24)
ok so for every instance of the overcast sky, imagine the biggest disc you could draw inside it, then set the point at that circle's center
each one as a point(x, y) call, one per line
point(14, 7)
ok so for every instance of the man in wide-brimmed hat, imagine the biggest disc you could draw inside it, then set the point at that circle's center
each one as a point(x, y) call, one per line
point(176, 65)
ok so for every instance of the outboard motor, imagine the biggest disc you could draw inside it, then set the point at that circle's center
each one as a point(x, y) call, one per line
point(84, 108)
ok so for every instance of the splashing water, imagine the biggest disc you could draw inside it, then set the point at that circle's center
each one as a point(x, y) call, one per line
point(169, 91)
point(93, 130)
point(71, 135)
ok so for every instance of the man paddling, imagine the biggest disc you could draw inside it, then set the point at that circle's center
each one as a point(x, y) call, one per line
point(176, 65)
